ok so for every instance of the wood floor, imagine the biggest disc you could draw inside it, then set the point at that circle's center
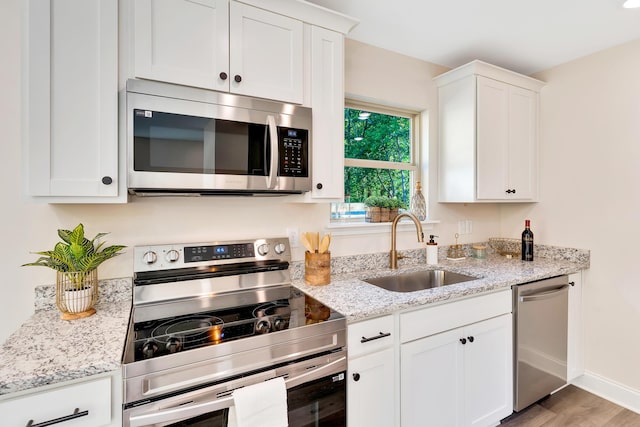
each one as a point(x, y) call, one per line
point(573, 406)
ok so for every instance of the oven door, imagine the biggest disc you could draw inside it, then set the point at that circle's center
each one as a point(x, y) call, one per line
point(316, 396)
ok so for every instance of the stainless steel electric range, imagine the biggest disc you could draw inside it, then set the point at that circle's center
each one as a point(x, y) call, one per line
point(209, 318)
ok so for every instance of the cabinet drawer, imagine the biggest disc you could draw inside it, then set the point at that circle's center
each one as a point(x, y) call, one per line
point(370, 335)
point(94, 397)
point(432, 320)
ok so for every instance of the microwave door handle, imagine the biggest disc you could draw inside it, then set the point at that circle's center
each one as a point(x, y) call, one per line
point(273, 169)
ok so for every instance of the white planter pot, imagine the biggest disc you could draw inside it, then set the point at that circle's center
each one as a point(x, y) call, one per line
point(78, 301)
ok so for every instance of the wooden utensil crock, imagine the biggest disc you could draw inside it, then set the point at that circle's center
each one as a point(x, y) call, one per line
point(317, 268)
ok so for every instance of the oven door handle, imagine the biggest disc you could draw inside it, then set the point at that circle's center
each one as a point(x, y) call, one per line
point(189, 411)
point(315, 373)
point(273, 161)
point(180, 412)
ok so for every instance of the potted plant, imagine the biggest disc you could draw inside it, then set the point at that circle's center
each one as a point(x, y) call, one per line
point(75, 260)
point(381, 208)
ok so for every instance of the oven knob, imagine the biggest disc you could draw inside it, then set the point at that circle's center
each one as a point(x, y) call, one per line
point(149, 349)
point(263, 249)
point(173, 345)
point(279, 324)
point(172, 255)
point(262, 327)
point(149, 257)
point(280, 248)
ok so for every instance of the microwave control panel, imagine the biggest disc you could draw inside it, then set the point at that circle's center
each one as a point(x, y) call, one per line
point(294, 152)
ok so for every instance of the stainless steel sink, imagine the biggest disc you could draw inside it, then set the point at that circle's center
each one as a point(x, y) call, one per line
point(419, 280)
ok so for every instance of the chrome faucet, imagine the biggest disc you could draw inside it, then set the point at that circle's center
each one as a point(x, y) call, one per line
point(393, 255)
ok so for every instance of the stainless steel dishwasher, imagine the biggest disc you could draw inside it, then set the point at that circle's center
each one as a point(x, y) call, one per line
point(540, 339)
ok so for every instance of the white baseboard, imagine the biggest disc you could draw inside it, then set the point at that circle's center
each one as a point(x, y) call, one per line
point(610, 390)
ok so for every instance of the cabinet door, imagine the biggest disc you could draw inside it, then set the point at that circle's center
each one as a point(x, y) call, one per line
point(266, 54)
point(72, 98)
point(492, 138)
point(370, 391)
point(91, 400)
point(488, 369)
point(327, 101)
point(575, 340)
point(506, 138)
point(183, 41)
point(432, 381)
point(523, 126)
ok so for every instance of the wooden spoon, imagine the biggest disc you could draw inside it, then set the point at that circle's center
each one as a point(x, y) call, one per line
point(305, 238)
point(324, 243)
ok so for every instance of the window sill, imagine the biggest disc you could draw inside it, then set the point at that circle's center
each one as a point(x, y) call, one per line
point(355, 228)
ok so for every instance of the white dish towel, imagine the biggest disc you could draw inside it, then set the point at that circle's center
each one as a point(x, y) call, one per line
point(260, 405)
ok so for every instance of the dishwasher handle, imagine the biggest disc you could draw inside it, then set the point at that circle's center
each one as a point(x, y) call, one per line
point(543, 295)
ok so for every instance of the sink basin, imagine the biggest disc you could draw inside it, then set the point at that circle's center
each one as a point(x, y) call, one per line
point(419, 280)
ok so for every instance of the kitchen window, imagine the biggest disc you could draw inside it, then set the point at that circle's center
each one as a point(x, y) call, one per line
point(380, 158)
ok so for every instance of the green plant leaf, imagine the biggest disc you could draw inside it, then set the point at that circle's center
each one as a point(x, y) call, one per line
point(76, 252)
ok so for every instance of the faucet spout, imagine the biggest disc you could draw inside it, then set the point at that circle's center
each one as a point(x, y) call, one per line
point(393, 255)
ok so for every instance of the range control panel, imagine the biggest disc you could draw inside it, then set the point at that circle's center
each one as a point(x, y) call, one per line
point(185, 255)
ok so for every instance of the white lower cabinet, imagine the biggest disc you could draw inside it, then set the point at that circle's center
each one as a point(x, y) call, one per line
point(462, 376)
point(79, 404)
point(371, 397)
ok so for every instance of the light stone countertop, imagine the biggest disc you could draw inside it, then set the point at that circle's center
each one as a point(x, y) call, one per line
point(358, 300)
point(48, 350)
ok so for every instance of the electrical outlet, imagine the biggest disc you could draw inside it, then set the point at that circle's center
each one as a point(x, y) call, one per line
point(465, 227)
point(294, 237)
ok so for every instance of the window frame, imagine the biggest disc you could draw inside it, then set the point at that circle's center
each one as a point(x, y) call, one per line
point(414, 166)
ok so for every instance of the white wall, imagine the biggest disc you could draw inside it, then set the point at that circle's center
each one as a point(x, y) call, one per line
point(590, 170)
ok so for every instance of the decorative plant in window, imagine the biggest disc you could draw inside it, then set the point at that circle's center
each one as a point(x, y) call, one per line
point(381, 208)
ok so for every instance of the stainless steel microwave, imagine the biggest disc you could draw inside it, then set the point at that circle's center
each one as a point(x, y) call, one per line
point(194, 141)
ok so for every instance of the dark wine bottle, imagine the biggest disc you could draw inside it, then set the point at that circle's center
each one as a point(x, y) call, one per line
point(527, 242)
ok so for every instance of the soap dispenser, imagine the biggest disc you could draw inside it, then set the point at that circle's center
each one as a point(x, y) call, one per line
point(432, 251)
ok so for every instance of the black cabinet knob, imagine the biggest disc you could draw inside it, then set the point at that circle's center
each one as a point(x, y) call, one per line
point(237, 78)
point(356, 377)
point(319, 186)
point(463, 340)
point(470, 339)
point(107, 180)
point(223, 76)
point(572, 283)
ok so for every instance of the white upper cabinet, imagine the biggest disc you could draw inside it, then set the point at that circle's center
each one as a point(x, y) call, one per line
point(266, 55)
point(327, 102)
point(219, 45)
point(71, 101)
point(182, 41)
point(488, 135)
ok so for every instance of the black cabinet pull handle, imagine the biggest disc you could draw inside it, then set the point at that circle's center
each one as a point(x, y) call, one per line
point(107, 180)
point(356, 377)
point(377, 337)
point(76, 414)
point(223, 76)
point(572, 283)
point(463, 341)
point(511, 191)
point(471, 338)
point(237, 78)
point(319, 186)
